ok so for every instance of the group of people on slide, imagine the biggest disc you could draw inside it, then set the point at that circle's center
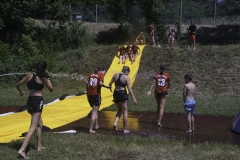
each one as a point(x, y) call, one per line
point(36, 81)
point(129, 52)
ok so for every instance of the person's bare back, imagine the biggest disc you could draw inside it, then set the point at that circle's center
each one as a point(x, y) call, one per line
point(188, 91)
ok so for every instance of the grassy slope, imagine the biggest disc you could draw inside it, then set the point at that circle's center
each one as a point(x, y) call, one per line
point(214, 70)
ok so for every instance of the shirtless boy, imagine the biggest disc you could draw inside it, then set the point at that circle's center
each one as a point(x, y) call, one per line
point(189, 102)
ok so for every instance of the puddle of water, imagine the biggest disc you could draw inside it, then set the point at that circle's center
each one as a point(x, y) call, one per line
point(207, 128)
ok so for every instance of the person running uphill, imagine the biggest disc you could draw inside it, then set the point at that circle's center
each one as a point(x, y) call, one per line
point(35, 83)
point(162, 81)
point(120, 96)
point(189, 102)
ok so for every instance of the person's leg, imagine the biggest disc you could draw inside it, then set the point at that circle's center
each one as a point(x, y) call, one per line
point(125, 116)
point(153, 40)
point(163, 99)
point(39, 135)
point(93, 118)
point(194, 43)
point(189, 122)
point(34, 123)
point(118, 115)
point(192, 122)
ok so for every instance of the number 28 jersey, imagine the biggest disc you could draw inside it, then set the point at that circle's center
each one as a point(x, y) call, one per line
point(93, 83)
point(161, 82)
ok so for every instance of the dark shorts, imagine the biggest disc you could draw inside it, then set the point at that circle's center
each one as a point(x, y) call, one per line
point(161, 94)
point(35, 104)
point(94, 100)
point(120, 96)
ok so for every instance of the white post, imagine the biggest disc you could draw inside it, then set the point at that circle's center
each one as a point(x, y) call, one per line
point(215, 11)
point(181, 12)
point(70, 9)
point(96, 13)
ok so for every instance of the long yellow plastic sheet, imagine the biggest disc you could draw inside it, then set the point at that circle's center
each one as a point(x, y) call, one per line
point(62, 112)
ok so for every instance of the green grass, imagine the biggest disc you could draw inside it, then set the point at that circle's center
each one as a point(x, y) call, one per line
point(215, 73)
point(214, 69)
point(88, 146)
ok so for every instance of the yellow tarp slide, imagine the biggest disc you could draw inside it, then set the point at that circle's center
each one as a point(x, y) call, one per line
point(59, 113)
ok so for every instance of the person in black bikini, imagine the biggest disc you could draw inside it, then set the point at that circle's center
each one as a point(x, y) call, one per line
point(35, 83)
point(120, 96)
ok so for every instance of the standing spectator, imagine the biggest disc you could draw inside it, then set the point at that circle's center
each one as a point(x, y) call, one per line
point(162, 81)
point(93, 86)
point(140, 40)
point(152, 35)
point(120, 96)
point(35, 83)
point(172, 38)
point(192, 31)
point(189, 102)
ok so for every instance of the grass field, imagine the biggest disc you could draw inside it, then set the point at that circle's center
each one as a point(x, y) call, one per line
point(215, 72)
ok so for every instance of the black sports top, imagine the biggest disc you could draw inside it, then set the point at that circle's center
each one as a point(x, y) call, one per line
point(118, 82)
point(33, 85)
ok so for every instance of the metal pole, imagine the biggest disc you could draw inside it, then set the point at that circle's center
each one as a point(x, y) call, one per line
point(96, 13)
point(181, 12)
point(215, 11)
point(70, 9)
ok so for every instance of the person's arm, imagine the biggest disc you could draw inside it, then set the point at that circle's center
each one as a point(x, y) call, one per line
point(103, 85)
point(130, 90)
point(19, 84)
point(137, 38)
point(47, 82)
point(150, 89)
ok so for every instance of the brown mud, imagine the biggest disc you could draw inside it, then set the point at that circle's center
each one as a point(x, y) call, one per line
point(207, 128)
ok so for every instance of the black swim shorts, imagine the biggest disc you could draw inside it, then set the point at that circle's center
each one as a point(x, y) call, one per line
point(35, 104)
point(161, 94)
point(120, 96)
point(94, 100)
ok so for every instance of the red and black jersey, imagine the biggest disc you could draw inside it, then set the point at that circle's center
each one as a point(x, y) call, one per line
point(122, 51)
point(161, 82)
point(94, 83)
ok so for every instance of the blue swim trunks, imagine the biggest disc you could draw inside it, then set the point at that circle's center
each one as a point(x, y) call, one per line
point(190, 105)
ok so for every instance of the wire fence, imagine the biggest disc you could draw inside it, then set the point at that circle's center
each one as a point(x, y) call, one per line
point(203, 13)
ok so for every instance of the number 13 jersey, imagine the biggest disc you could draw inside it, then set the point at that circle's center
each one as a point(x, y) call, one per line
point(161, 82)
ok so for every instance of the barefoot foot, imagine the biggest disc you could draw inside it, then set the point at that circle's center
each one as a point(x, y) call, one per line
point(159, 124)
point(115, 127)
point(92, 131)
point(188, 131)
point(22, 154)
point(97, 127)
point(126, 131)
point(41, 148)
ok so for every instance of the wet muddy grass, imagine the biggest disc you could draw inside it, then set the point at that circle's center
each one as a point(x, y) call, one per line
point(207, 128)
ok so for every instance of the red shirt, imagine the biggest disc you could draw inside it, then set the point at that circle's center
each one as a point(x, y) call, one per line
point(122, 51)
point(93, 83)
point(161, 82)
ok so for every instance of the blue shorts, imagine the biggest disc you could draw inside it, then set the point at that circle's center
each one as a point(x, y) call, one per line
point(190, 105)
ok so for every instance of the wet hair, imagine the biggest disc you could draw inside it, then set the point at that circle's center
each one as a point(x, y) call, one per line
point(162, 68)
point(41, 67)
point(188, 76)
point(125, 69)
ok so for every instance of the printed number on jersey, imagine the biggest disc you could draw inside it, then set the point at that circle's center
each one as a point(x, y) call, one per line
point(161, 82)
point(93, 82)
